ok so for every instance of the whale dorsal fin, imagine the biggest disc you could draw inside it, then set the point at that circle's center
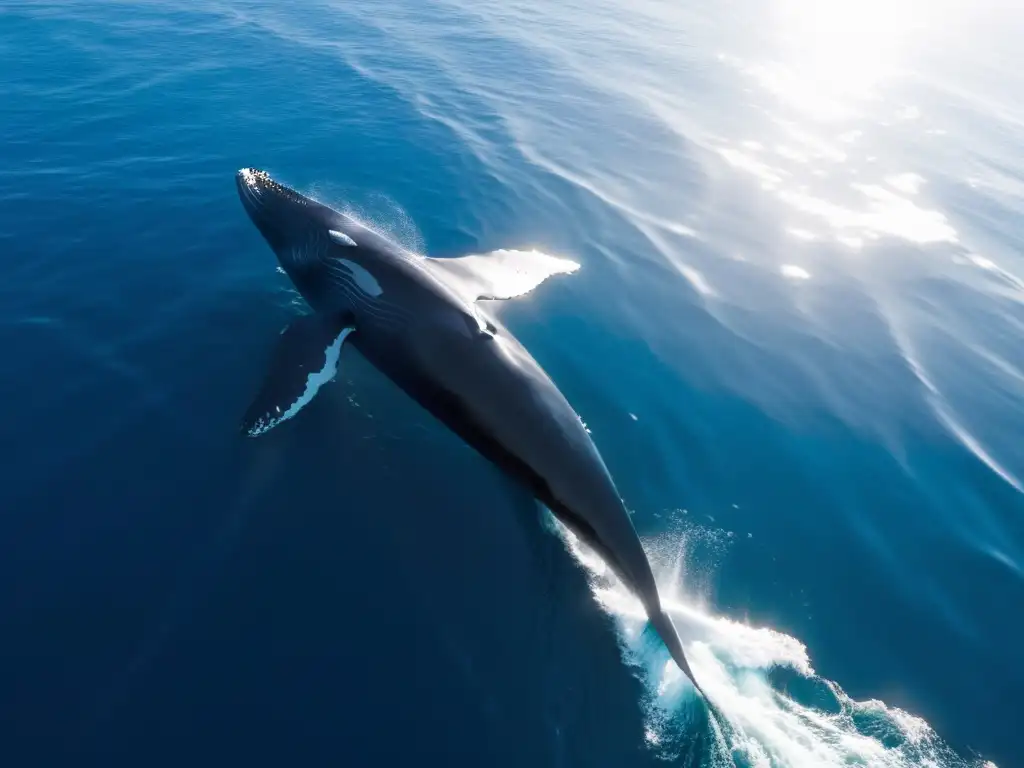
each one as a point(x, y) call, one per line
point(305, 358)
point(500, 274)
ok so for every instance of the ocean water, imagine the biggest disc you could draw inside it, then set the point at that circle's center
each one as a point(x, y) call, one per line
point(795, 336)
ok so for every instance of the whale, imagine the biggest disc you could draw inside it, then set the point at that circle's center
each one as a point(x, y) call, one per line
point(425, 323)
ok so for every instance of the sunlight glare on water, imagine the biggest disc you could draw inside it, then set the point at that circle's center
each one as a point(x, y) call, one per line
point(825, 85)
point(834, 52)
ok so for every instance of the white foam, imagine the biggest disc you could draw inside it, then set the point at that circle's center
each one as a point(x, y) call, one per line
point(758, 725)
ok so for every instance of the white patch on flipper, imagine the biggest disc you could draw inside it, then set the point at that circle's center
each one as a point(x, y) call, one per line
point(501, 274)
point(313, 383)
point(367, 282)
point(341, 238)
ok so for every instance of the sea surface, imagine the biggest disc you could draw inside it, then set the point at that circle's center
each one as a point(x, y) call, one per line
point(796, 337)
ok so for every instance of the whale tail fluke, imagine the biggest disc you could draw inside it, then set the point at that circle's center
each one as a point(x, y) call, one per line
point(663, 625)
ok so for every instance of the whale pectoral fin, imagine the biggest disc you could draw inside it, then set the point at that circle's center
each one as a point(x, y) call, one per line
point(305, 358)
point(500, 274)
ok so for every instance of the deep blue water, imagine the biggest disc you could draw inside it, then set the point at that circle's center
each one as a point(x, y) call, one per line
point(796, 338)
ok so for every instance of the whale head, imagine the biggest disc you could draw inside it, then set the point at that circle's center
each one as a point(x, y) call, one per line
point(294, 225)
point(313, 242)
point(298, 228)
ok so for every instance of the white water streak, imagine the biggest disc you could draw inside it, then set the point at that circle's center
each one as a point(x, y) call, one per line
point(760, 726)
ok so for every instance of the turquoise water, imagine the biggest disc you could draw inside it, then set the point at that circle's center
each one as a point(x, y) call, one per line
point(795, 337)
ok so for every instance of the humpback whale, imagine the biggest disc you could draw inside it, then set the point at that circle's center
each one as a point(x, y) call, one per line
point(419, 321)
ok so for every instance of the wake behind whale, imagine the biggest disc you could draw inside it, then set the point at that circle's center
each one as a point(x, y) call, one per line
point(754, 722)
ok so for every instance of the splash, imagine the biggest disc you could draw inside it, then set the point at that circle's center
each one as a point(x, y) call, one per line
point(812, 724)
point(388, 219)
point(376, 211)
point(384, 215)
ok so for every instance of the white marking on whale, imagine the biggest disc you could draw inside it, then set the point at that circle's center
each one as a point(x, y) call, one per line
point(314, 381)
point(341, 237)
point(366, 282)
point(249, 176)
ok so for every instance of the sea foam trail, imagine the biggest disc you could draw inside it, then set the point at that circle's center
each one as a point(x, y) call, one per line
point(753, 724)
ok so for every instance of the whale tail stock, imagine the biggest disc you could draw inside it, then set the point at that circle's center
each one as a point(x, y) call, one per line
point(666, 630)
point(630, 564)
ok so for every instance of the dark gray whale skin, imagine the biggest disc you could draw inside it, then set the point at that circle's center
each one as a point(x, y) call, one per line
point(458, 362)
